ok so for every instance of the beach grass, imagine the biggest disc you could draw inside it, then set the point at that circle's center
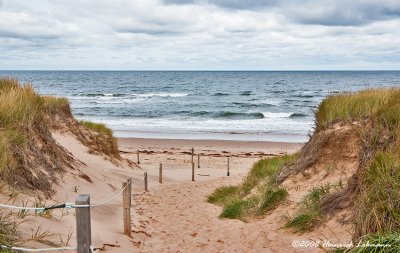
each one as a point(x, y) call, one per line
point(97, 127)
point(380, 105)
point(309, 213)
point(20, 109)
point(378, 110)
point(256, 195)
point(8, 231)
point(223, 195)
point(374, 243)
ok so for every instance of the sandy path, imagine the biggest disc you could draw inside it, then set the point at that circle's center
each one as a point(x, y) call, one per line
point(177, 218)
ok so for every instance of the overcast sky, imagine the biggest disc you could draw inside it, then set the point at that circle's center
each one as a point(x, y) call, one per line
point(200, 34)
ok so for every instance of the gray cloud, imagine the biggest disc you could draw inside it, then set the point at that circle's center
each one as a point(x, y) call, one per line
point(314, 12)
point(344, 13)
point(230, 4)
point(197, 34)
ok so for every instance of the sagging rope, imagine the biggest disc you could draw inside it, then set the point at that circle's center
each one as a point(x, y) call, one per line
point(35, 250)
point(64, 205)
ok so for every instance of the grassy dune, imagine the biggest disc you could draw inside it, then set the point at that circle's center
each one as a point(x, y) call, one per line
point(373, 189)
point(31, 161)
point(26, 145)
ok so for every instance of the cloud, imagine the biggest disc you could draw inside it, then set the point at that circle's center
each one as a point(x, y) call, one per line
point(230, 4)
point(344, 13)
point(315, 12)
point(197, 34)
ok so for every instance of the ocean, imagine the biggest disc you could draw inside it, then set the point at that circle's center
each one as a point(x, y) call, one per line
point(222, 105)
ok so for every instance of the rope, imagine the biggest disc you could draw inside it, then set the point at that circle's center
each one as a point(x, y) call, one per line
point(36, 250)
point(64, 205)
point(23, 207)
point(97, 204)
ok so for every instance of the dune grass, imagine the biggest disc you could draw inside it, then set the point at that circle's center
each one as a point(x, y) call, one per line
point(256, 195)
point(97, 127)
point(309, 213)
point(8, 231)
point(374, 243)
point(20, 109)
point(378, 206)
point(380, 104)
point(103, 141)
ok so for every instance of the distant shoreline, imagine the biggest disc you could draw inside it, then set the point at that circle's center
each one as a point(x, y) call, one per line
point(228, 147)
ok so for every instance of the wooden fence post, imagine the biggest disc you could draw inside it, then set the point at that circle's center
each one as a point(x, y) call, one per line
point(192, 171)
point(198, 161)
point(126, 204)
point(192, 154)
point(83, 226)
point(228, 172)
point(145, 182)
point(138, 160)
point(160, 174)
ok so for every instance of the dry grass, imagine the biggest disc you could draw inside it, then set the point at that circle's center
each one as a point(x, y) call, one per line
point(29, 157)
point(375, 186)
point(100, 139)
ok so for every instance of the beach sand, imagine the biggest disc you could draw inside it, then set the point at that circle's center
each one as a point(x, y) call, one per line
point(173, 216)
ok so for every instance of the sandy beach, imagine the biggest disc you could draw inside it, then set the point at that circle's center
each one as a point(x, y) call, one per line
point(175, 156)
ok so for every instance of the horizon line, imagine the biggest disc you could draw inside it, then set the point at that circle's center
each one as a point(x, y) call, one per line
point(201, 70)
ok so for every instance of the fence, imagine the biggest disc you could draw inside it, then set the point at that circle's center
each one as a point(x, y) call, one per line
point(82, 207)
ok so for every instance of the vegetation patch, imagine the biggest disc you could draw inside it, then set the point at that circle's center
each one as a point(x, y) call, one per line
point(29, 156)
point(374, 243)
point(309, 214)
point(100, 138)
point(375, 186)
point(256, 195)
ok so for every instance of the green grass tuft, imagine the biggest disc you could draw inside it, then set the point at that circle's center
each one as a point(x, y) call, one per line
point(264, 169)
point(375, 243)
point(271, 198)
point(309, 213)
point(256, 195)
point(379, 208)
point(97, 127)
point(222, 195)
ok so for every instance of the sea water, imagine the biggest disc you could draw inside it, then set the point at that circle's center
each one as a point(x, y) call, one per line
point(227, 105)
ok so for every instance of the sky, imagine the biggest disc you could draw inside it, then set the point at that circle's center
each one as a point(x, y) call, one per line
point(200, 35)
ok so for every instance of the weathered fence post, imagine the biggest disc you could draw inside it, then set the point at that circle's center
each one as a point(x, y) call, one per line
point(83, 226)
point(160, 174)
point(145, 182)
point(192, 171)
point(192, 164)
point(138, 160)
point(198, 161)
point(126, 204)
point(228, 172)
